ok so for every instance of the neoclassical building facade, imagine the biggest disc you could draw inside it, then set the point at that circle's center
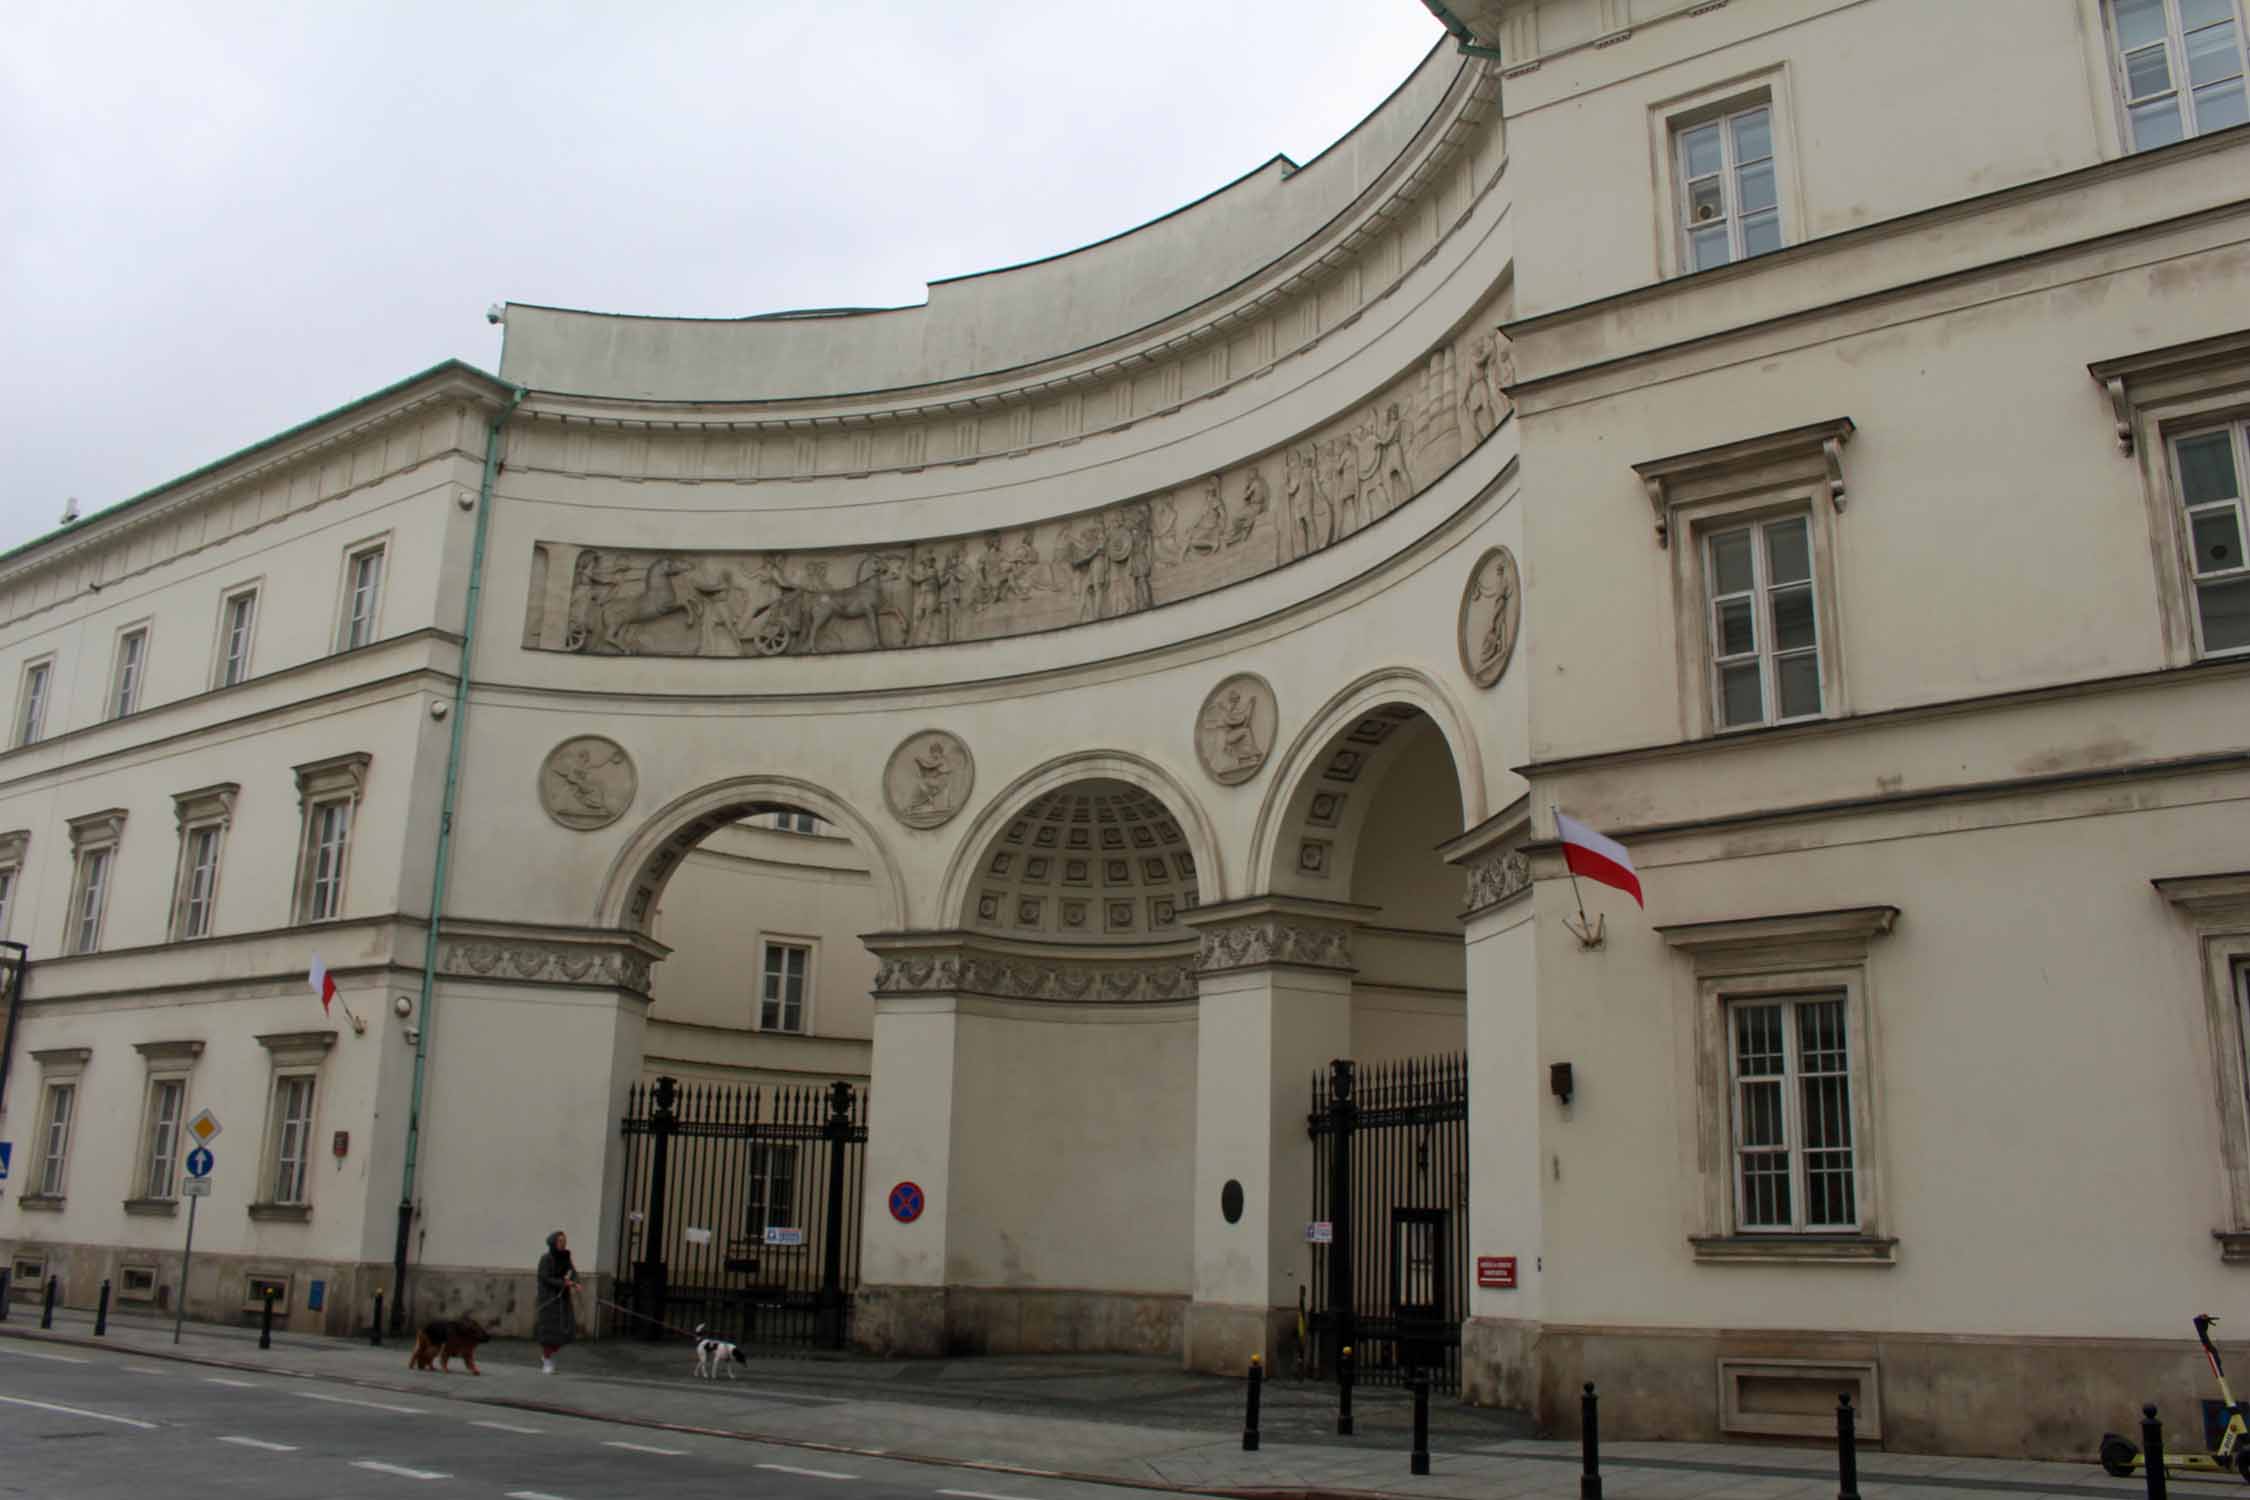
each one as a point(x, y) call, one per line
point(1686, 415)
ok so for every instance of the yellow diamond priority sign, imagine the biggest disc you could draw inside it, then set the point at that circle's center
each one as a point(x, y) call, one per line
point(204, 1127)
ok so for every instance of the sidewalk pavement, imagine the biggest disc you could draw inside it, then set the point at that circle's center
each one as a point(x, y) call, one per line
point(1139, 1422)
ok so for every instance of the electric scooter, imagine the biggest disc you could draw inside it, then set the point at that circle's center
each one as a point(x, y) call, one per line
point(2229, 1445)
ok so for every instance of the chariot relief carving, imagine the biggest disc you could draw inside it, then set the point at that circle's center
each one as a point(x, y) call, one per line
point(587, 782)
point(928, 778)
point(1491, 610)
point(1234, 729)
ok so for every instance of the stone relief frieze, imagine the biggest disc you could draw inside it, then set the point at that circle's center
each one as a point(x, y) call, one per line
point(1234, 729)
point(1014, 978)
point(1491, 613)
point(1133, 555)
point(1496, 877)
point(928, 778)
point(587, 782)
point(1274, 940)
point(546, 963)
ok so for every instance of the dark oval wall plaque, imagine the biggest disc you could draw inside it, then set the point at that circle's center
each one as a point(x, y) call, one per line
point(1230, 1201)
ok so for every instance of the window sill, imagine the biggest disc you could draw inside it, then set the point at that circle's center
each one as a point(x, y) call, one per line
point(40, 1203)
point(1794, 1249)
point(2234, 1246)
point(153, 1208)
point(282, 1213)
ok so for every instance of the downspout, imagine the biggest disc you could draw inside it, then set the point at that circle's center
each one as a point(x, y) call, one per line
point(444, 852)
point(1458, 29)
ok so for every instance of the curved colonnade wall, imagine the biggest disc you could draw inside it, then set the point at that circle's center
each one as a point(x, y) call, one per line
point(1192, 531)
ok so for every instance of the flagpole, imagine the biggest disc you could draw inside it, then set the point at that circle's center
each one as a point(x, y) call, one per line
point(1587, 934)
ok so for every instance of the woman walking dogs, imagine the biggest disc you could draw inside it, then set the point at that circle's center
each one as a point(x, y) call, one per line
point(555, 1323)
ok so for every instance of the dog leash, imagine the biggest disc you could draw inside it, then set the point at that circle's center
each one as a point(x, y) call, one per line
point(645, 1318)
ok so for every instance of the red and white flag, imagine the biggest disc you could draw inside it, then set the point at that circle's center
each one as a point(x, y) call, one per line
point(1597, 857)
point(322, 985)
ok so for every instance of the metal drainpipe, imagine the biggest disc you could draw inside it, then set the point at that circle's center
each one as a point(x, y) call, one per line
point(444, 851)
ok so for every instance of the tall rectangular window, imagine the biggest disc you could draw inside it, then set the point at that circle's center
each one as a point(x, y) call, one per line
point(363, 594)
point(91, 897)
point(2209, 466)
point(54, 1140)
point(772, 1189)
point(1727, 188)
point(1765, 639)
point(165, 1098)
point(292, 1136)
point(31, 717)
point(237, 618)
point(202, 878)
point(7, 896)
point(332, 824)
point(782, 1007)
point(125, 682)
point(2180, 64)
point(1794, 1167)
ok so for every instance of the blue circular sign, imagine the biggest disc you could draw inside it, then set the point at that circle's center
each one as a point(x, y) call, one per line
point(906, 1202)
point(199, 1162)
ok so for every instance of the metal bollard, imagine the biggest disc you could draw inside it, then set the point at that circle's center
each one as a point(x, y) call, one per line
point(265, 1329)
point(1250, 1416)
point(375, 1329)
point(1344, 1392)
point(1847, 1450)
point(47, 1308)
point(3, 1294)
point(2152, 1451)
point(1590, 1443)
point(101, 1311)
point(1418, 1462)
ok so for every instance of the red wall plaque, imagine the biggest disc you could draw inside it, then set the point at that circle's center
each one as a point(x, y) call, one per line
point(1497, 1271)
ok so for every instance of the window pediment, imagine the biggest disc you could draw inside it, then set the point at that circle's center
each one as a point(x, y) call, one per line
point(1812, 455)
point(2212, 900)
point(2156, 376)
point(170, 1052)
point(96, 829)
point(336, 776)
point(210, 804)
point(14, 846)
point(297, 1048)
point(1793, 940)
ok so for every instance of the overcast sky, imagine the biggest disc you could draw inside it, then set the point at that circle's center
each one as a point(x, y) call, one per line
point(219, 220)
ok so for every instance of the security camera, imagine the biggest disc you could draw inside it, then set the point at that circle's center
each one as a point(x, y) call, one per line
point(495, 313)
point(413, 1035)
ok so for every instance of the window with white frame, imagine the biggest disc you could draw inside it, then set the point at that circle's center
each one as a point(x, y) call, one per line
point(13, 847)
point(161, 1145)
point(54, 1137)
point(363, 597)
point(31, 702)
point(238, 620)
point(204, 816)
point(2215, 910)
point(1765, 637)
point(781, 1005)
point(792, 821)
point(2209, 467)
point(292, 1131)
point(94, 841)
point(125, 676)
point(772, 1189)
point(62, 1072)
point(2180, 67)
point(1728, 190)
point(1792, 1115)
point(285, 1171)
point(328, 796)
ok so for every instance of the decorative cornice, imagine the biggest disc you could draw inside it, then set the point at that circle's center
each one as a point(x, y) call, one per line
point(2210, 900)
point(2132, 379)
point(97, 828)
point(1805, 938)
point(209, 804)
point(185, 1051)
point(1708, 473)
point(14, 846)
point(613, 961)
point(1276, 931)
point(972, 964)
point(1494, 857)
point(62, 1057)
point(334, 775)
point(1498, 878)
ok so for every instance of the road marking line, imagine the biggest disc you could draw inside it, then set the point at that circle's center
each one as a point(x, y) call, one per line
point(531, 1495)
point(414, 1411)
point(979, 1495)
point(79, 1411)
point(645, 1448)
point(144, 1370)
point(247, 1442)
point(240, 1385)
point(508, 1427)
point(808, 1473)
point(378, 1467)
point(60, 1359)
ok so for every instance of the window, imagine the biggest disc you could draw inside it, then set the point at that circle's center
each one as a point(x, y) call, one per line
point(1782, 1077)
point(2208, 468)
point(292, 1124)
point(782, 1007)
point(54, 1138)
point(1765, 644)
point(238, 618)
point(2180, 65)
point(165, 1098)
point(94, 839)
point(1728, 192)
point(792, 821)
point(285, 1176)
point(363, 596)
point(156, 1176)
point(772, 1195)
point(31, 715)
point(201, 859)
point(125, 680)
point(328, 794)
point(204, 816)
point(13, 847)
point(2215, 913)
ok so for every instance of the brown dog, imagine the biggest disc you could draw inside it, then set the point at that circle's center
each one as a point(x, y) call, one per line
point(443, 1340)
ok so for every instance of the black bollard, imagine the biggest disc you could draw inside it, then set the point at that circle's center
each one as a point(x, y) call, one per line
point(1250, 1415)
point(2152, 1451)
point(375, 1329)
point(3, 1294)
point(265, 1329)
point(1344, 1392)
point(101, 1311)
point(1847, 1450)
point(47, 1308)
point(1418, 1462)
point(1590, 1443)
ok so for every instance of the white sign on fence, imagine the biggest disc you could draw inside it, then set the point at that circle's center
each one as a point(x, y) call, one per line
point(779, 1236)
point(696, 1236)
point(1320, 1232)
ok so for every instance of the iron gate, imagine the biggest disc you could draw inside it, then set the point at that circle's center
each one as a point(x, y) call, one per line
point(742, 1210)
point(1391, 1179)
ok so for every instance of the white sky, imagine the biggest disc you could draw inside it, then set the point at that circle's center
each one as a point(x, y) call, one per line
point(219, 220)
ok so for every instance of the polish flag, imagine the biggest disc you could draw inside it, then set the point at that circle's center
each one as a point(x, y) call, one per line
point(325, 987)
point(1598, 857)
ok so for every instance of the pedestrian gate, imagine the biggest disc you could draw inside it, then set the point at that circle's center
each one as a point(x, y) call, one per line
point(1391, 1181)
point(741, 1211)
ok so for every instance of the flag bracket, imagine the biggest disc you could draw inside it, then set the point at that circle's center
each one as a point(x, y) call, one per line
point(1589, 934)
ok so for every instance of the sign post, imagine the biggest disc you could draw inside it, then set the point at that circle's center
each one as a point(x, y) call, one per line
point(205, 1129)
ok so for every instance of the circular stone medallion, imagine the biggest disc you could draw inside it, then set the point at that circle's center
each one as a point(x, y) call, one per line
point(928, 778)
point(1234, 728)
point(587, 782)
point(1491, 608)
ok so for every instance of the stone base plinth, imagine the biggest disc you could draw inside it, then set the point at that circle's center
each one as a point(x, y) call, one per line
point(1221, 1337)
point(912, 1321)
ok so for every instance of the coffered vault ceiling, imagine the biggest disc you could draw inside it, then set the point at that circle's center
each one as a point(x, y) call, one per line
point(1093, 861)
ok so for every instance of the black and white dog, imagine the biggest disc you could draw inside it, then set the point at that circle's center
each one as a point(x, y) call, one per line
point(711, 1353)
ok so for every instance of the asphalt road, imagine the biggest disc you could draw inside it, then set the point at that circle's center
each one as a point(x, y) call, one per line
point(96, 1426)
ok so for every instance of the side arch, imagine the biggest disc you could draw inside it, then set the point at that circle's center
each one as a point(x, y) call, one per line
point(1376, 689)
point(637, 875)
point(1083, 765)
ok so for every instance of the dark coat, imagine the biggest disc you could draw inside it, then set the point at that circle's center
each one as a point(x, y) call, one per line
point(556, 1321)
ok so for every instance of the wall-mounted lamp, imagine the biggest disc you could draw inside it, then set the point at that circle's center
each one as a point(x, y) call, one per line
point(1559, 1081)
